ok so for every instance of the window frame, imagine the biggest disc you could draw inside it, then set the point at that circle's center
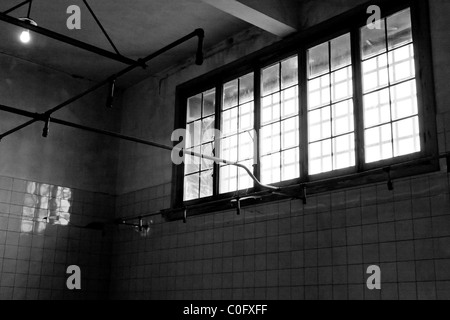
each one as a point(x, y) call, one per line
point(362, 173)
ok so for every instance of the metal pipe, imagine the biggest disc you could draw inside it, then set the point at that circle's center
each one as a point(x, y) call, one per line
point(196, 33)
point(65, 39)
point(17, 6)
point(44, 117)
point(101, 26)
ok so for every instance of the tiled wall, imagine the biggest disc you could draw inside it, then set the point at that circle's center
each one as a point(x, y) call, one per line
point(288, 250)
point(34, 255)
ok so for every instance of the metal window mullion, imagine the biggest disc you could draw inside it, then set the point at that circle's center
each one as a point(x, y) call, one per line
point(217, 140)
point(257, 121)
point(358, 99)
point(330, 105)
point(303, 112)
point(280, 121)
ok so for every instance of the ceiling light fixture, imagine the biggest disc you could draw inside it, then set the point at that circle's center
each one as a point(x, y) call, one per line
point(25, 36)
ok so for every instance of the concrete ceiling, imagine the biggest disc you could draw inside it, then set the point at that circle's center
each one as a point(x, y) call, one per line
point(137, 28)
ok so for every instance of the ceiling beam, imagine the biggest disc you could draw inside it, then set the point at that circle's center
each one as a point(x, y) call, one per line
point(252, 16)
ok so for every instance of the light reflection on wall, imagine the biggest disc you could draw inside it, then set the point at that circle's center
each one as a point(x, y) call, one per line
point(45, 204)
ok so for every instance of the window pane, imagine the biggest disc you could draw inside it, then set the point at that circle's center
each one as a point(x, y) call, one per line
point(271, 80)
point(318, 60)
point(290, 164)
point(209, 103)
point(207, 150)
point(246, 146)
point(340, 52)
point(320, 159)
point(401, 64)
point(270, 169)
point(208, 130)
point(229, 122)
point(194, 134)
point(378, 143)
point(229, 148)
point(373, 41)
point(244, 180)
point(191, 187)
point(194, 111)
point(191, 163)
point(342, 84)
point(270, 138)
point(246, 89)
point(399, 29)
point(289, 102)
point(228, 179)
point(270, 108)
point(344, 151)
point(319, 92)
point(404, 100)
point(343, 121)
point(206, 184)
point(246, 116)
point(290, 133)
point(406, 136)
point(230, 94)
point(289, 72)
point(319, 124)
point(375, 73)
point(376, 108)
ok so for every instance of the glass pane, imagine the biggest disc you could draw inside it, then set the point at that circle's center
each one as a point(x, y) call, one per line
point(342, 84)
point(378, 143)
point(229, 122)
point(191, 187)
point(229, 148)
point(245, 182)
point(194, 111)
point(320, 159)
point(290, 164)
point(341, 52)
point(246, 146)
point(207, 150)
point(404, 100)
point(270, 138)
point(228, 179)
point(343, 121)
point(193, 134)
point(289, 102)
point(376, 108)
point(192, 164)
point(270, 169)
point(289, 72)
point(206, 184)
point(246, 117)
point(399, 29)
point(270, 108)
point(319, 92)
point(318, 60)
point(208, 129)
point(401, 64)
point(246, 89)
point(406, 137)
point(271, 80)
point(209, 103)
point(375, 73)
point(319, 124)
point(230, 94)
point(373, 41)
point(290, 133)
point(344, 151)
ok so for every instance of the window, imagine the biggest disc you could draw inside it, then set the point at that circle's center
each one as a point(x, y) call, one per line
point(391, 120)
point(319, 110)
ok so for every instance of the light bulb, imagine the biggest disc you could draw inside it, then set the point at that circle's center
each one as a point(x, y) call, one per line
point(25, 36)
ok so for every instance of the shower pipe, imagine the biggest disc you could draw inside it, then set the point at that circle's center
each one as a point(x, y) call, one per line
point(68, 40)
point(45, 118)
point(200, 33)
